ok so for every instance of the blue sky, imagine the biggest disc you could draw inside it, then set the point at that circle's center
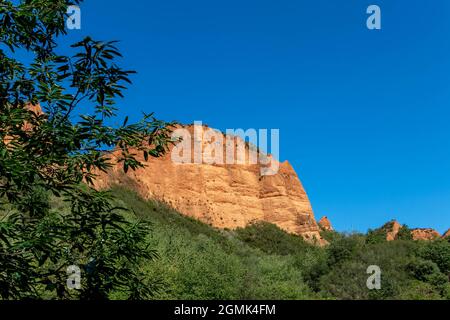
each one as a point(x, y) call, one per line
point(363, 115)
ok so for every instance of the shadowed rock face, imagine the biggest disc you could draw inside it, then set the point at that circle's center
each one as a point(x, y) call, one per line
point(446, 234)
point(223, 195)
point(425, 234)
point(325, 224)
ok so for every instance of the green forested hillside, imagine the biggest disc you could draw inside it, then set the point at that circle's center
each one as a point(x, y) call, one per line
point(261, 261)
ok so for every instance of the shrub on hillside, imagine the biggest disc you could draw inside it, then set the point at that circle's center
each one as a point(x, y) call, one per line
point(437, 251)
point(271, 239)
point(346, 248)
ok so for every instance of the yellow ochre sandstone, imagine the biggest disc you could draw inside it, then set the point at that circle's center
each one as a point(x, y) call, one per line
point(223, 195)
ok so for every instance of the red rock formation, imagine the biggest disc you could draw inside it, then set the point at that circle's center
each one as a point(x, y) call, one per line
point(325, 224)
point(392, 231)
point(446, 234)
point(393, 228)
point(425, 234)
point(223, 195)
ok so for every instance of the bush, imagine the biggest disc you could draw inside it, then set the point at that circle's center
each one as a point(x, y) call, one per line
point(437, 251)
point(427, 271)
point(344, 249)
point(404, 233)
point(417, 290)
point(345, 281)
point(376, 236)
point(422, 270)
point(271, 239)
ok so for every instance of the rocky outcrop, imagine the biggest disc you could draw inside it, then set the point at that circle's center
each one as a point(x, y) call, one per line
point(392, 230)
point(223, 195)
point(446, 234)
point(325, 224)
point(425, 234)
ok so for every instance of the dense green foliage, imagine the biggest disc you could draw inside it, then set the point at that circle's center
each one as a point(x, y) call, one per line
point(263, 262)
point(55, 152)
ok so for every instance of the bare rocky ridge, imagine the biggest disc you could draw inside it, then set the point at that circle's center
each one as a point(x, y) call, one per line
point(446, 234)
point(223, 195)
point(425, 234)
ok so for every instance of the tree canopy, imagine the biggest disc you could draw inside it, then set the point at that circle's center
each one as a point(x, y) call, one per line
point(56, 153)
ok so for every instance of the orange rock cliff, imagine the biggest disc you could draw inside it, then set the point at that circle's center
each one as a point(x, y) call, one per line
point(223, 195)
point(325, 224)
point(231, 195)
point(425, 234)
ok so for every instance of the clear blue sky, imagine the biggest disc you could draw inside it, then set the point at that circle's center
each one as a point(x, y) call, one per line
point(363, 115)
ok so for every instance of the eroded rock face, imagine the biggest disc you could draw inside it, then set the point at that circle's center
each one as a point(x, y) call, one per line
point(392, 231)
point(223, 195)
point(425, 234)
point(325, 224)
